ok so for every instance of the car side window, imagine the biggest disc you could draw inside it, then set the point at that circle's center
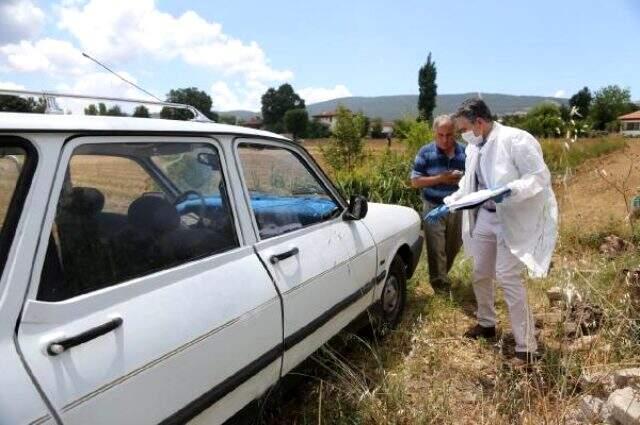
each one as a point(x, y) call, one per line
point(128, 210)
point(285, 194)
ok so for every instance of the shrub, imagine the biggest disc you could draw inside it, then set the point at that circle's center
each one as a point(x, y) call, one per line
point(383, 180)
point(345, 149)
point(318, 130)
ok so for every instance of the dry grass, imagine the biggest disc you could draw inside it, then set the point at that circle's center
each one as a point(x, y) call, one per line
point(425, 373)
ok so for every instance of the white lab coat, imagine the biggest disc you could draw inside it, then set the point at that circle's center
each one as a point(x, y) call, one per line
point(529, 217)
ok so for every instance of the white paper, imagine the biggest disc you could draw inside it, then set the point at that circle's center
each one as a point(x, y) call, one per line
point(476, 198)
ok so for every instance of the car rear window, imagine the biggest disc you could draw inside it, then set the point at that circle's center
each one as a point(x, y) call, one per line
point(16, 163)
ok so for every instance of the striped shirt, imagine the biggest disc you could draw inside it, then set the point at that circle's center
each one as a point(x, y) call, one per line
point(431, 161)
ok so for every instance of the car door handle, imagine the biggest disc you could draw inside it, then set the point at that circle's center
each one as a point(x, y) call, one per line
point(274, 259)
point(60, 346)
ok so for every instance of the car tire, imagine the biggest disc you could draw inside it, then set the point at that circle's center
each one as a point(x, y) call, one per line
point(393, 297)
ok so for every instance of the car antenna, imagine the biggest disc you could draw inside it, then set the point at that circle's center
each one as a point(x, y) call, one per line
point(121, 77)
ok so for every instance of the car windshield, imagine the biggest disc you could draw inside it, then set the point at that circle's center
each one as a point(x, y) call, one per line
point(198, 169)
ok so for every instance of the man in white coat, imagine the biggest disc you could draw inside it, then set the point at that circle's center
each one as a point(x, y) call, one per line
point(508, 233)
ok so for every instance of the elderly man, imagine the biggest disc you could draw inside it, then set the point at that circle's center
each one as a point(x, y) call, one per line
point(437, 170)
point(517, 228)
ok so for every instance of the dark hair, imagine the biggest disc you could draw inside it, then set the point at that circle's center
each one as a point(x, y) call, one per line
point(472, 109)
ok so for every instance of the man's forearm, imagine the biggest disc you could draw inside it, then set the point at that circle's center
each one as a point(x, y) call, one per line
point(425, 181)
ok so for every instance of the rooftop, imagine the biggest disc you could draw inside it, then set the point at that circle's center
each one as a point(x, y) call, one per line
point(632, 116)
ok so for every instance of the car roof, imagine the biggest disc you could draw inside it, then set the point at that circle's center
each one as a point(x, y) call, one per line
point(88, 123)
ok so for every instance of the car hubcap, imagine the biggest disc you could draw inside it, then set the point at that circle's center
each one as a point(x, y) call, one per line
point(390, 296)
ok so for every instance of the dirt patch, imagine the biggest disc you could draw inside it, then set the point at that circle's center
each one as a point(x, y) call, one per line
point(588, 200)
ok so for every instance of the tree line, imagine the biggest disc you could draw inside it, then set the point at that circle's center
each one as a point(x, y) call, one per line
point(586, 113)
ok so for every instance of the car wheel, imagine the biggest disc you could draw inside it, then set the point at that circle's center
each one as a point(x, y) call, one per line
point(393, 297)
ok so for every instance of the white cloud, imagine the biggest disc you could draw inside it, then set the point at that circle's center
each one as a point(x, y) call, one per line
point(319, 94)
point(8, 85)
point(117, 30)
point(19, 20)
point(559, 93)
point(46, 55)
point(244, 96)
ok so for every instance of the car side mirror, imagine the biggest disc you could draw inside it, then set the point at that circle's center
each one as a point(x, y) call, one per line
point(357, 209)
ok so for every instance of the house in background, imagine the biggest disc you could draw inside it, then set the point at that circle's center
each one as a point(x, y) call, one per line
point(327, 118)
point(387, 128)
point(630, 124)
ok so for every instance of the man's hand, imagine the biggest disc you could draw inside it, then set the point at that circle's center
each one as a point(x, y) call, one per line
point(450, 177)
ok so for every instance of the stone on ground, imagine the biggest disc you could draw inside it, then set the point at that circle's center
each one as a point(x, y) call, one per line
point(627, 377)
point(625, 406)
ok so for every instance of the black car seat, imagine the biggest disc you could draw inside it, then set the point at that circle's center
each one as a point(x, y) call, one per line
point(85, 257)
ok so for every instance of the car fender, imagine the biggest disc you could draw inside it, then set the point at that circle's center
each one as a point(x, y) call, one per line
point(395, 230)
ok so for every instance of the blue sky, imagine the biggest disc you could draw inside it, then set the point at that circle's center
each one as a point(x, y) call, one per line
point(235, 50)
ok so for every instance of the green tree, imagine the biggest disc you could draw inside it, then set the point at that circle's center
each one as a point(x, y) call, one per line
point(296, 122)
point(608, 104)
point(345, 149)
point(102, 109)
point(91, 110)
point(401, 126)
point(428, 89)
point(376, 129)
point(418, 133)
point(545, 120)
point(141, 111)
point(582, 102)
point(115, 111)
point(366, 125)
point(514, 120)
point(188, 96)
point(21, 104)
point(275, 103)
point(318, 130)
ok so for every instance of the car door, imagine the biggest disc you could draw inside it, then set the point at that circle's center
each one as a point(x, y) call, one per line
point(324, 266)
point(146, 305)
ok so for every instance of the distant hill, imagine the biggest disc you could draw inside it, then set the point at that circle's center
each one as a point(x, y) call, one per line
point(393, 107)
point(240, 114)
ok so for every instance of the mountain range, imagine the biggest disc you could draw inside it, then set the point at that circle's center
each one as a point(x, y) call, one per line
point(393, 107)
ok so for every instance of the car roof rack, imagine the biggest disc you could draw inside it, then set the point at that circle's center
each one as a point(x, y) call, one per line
point(52, 107)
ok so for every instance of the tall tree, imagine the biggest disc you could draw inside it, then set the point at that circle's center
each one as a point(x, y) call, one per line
point(91, 110)
point(366, 124)
point(275, 103)
point(141, 111)
point(296, 121)
point(428, 89)
point(21, 104)
point(189, 96)
point(115, 111)
point(608, 104)
point(582, 101)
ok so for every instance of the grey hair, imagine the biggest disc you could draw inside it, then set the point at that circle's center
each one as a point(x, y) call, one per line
point(472, 109)
point(441, 120)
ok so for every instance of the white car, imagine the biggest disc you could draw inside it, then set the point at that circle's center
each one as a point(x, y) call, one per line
point(158, 271)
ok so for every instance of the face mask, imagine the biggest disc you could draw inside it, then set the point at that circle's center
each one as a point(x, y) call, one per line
point(471, 138)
